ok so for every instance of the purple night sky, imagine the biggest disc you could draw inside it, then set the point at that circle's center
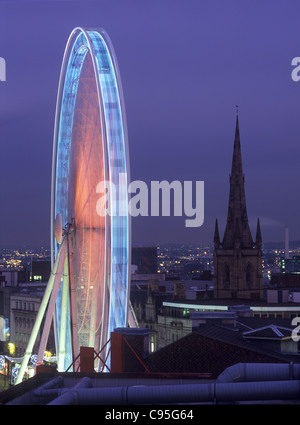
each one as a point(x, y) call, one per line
point(184, 65)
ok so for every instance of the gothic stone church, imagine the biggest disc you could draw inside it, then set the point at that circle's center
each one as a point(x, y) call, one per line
point(238, 258)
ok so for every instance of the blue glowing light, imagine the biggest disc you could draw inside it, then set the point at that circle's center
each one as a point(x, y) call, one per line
point(90, 145)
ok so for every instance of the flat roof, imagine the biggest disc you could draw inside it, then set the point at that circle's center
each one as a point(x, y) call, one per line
point(263, 306)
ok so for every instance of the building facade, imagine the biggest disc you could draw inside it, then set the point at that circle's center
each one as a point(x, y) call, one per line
point(23, 312)
point(176, 319)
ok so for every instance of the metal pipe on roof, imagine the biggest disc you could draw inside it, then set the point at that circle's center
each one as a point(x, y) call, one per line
point(90, 396)
point(246, 372)
point(53, 383)
point(49, 391)
point(258, 391)
point(197, 393)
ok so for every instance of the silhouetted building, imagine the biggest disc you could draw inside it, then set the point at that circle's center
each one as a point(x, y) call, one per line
point(237, 259)
point(9, 277)
point(145, 258)
point(287, 280)
point(291, 265)
point(5, 294)
point(41, 270)
point(212, 348)
point(147, 301)
point(24, 307)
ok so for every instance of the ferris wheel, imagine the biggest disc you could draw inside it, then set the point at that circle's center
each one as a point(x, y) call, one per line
point(88, 291)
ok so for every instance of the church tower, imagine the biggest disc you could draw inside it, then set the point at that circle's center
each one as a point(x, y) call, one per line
point(237, 258)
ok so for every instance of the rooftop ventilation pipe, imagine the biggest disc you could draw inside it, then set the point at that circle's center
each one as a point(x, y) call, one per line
point(246, 372)
point(195, 393)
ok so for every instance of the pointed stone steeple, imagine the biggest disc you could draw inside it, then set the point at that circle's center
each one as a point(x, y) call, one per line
point(237, 233)
point(258, 239)
point(237, 258)
point(217, 236)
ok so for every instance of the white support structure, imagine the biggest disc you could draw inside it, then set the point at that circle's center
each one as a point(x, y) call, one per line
point(132, 320)
point(51, 307)
point(72, 293)
point(62, 253)
point(63, 320)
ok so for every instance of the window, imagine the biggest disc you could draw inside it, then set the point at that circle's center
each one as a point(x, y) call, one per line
point(152, 344)
point(186, 312)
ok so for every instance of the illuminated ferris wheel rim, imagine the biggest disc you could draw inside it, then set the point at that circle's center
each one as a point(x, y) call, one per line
point(117, 231)
point(69, 46)
point(108, 132)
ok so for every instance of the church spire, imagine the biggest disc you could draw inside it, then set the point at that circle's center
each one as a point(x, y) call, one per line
point(258, 239)
point(217, 236)
point(237, 258)
point(236, 168)
point(237, 232)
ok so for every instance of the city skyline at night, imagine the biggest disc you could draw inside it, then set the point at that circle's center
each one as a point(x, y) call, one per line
point(149, 224)
point(184, 69)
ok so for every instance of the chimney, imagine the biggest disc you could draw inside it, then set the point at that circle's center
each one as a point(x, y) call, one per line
point(125, 357)
point(287, 255)
point(87, 359)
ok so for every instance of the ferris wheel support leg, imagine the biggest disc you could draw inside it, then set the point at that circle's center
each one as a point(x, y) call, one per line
point(38, 321)
point(52, 302)
point(72, 300)
point(132, 320)
point(93, 320)
point(63, 319)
